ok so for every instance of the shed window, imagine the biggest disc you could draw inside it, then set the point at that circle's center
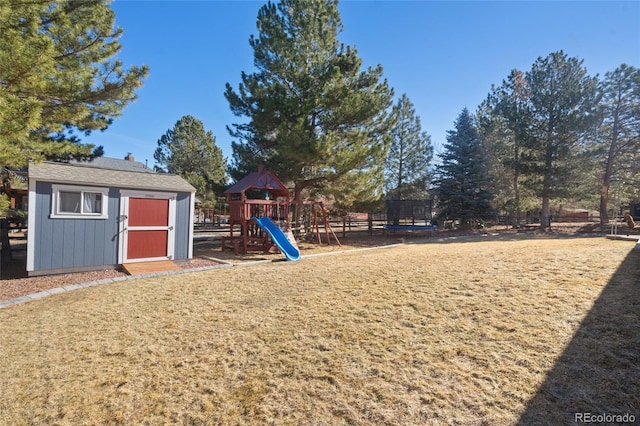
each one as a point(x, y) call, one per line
point(79, 202)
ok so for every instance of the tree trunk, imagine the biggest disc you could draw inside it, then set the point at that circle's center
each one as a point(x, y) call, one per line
point(400, 170)
point(604, 203)
point(545, 215)
point(545, 221)
point(608, 171)
point(297, 207)
point(516, 190)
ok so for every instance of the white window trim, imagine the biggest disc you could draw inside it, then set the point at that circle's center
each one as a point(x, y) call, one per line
point(55, 202)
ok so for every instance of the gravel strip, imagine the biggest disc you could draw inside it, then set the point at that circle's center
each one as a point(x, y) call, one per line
point(21, 287)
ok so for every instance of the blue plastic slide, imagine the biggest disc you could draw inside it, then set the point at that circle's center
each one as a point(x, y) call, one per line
point(278, 237)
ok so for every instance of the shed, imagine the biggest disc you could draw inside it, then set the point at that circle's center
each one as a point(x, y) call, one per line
point(100, 214)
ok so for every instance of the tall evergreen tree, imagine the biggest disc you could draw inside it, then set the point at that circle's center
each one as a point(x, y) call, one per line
point(619, 138)
point(314, 117)
point(462, 180)
point(58, 78)
point(561, 108)
point(546, 118)
point(509, 121)
point(191, 152)
point(407, 172)
point(492, 131)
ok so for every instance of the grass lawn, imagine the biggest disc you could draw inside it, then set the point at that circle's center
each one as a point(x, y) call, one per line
point(515, 331)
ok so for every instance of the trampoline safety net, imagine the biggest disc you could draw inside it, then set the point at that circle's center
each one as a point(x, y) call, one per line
point(413, 212)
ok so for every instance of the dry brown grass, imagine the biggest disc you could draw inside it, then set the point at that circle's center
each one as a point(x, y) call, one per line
point(476, 332)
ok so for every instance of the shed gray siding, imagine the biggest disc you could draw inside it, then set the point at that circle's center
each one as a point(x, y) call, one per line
point(74, 243)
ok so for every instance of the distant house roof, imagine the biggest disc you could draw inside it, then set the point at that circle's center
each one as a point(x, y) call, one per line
point(260, 180)
point(97, 174)
point(19, 175)
point(115, 164)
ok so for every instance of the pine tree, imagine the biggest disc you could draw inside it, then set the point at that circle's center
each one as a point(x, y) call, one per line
point(191, 152)
point(562, 111)
point(58, 78)
point(407, 172)
point(314, 117)
point(545, 118)
point(509, 121)
point(462, 181)
point(619, 137)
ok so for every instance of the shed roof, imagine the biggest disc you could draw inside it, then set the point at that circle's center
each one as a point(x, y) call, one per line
point(90, 174)
point(261, 180)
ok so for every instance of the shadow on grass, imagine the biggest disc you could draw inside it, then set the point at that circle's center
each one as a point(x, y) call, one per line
point(599, 370)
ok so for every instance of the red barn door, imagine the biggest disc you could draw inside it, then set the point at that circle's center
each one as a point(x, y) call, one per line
point(147, 227)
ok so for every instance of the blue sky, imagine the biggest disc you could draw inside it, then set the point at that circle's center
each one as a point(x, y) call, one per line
point(444, 55)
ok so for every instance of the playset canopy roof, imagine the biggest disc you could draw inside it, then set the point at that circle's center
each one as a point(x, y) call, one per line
point(263, 180)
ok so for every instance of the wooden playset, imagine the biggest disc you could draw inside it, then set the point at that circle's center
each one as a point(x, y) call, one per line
point(259, 194)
